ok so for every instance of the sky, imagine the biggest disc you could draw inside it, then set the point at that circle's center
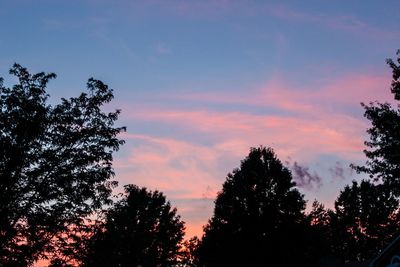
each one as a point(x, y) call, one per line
point(200, 82)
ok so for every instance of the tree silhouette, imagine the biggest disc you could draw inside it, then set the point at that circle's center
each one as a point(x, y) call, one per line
point(55, 164)
point(384, 145)
point(188, 253)
point(320, 233)
point(258, 217)
point(366, 215)
point(140, 230)
point(365, 220)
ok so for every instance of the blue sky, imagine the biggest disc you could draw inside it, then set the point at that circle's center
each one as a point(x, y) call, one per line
point(200, 82)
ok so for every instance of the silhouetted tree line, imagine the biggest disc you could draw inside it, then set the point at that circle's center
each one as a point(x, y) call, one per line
point(56, 183)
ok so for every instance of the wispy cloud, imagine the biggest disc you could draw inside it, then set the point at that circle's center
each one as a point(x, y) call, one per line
point(305, 137)
point(215, 8)
point(316, 119)
point(347, 91)
point(187, 173)
point(338, 171)
point(344, 22)
point(306, 123)
point(304, 178)
point(181, 168)
point(162, 49)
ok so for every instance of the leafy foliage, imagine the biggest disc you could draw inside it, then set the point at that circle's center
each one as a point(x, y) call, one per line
point(55, 164)
point(188, 253)
point(366, 219)
point(140, 230)
point(384, 145)
point(320, 233)
point(258, 217)
point(367, 214)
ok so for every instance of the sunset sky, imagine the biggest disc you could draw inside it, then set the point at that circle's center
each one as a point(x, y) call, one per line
point(200, 82)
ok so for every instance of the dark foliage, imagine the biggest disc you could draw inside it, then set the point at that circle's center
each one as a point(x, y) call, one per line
point(140, 230)
point(188, 253)
point(55, 165)
point(320, 233)
point(366, 215)
point(384, 145)
point(365, 220)
point(258, 218)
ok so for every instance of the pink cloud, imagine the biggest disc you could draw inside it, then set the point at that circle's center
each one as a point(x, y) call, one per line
point(309, 122)
point(317, 115)
point(349, 90)
point(168, 165)
point(318, 124)
point(181, 170)
point(195, 229)
point(323, 133)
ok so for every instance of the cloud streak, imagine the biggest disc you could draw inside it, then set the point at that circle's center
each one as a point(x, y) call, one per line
point(345, 22)
point(347, 91)
point(306, 123)
point(304, 178)
point(338, 171)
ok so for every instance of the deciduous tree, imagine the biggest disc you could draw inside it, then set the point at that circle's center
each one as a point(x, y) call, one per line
point(140, 230)
point(365, 220)
point(55, 164)
point(383, 151)
point(258, 217)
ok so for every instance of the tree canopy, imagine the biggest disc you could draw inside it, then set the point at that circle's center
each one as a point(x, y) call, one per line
point(140, 230)
point(56, 173)
point(383, 151)
point(55, 164)
point(258, 217)
point(366, 214)
point(364, 221)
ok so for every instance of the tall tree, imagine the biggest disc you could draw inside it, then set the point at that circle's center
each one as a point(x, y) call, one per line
point(258, 217)
point(140, 230)
point(320, 232)
point(365, 220)
point(55, 164)
point(384, 145)
point(366, 214)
